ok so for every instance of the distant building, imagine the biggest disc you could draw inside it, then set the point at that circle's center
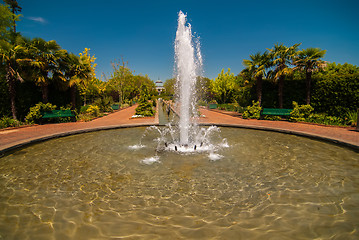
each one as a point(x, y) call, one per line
point(159, 86)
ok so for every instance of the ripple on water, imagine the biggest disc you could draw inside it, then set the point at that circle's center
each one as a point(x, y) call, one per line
point(264, 185)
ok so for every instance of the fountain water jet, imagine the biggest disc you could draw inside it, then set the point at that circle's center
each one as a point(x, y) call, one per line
point(188, 63)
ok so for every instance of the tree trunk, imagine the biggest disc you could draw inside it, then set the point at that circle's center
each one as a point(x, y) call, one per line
point(308, 86)
point(45, 93)
point(259, 90)
point(280, 91)
point(12, 92)
point(73, 96)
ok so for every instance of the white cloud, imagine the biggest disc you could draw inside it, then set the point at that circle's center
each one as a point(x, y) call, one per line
point(38, 19)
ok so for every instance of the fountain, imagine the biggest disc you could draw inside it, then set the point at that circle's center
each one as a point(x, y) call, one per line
point(106, 185)
point(187, 68)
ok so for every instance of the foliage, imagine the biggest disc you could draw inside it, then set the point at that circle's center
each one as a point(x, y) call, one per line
point(233, 107)
point(93, 110)
point(224, 87)
point(282, 59)
point(336, 91)
point(84, 108)
point(6, 122)
point(256, 68)
point(35, 113)
point(352, 118)
point(272, 118)
point(308, 61)
point(6, 21)
point(104, 104)
point(252, 112)
point(322, 118)
point(300, 112)
point(169, 86)
point(145, 107)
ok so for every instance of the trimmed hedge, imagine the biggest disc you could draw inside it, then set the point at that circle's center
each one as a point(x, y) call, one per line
point(336, 94)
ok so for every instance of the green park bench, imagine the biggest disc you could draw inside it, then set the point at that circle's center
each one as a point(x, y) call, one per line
point(115, 106)
point(57, 113)
point(212, 106)
point(276, 111)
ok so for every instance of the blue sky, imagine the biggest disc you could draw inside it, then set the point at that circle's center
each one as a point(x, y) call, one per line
point(143, 32)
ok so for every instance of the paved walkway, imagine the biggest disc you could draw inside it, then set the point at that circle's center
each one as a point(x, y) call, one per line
point(13, 138)
point(344, 135)
point(21, 136)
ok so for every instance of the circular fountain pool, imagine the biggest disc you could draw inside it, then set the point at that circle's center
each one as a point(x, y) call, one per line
point(95, 185)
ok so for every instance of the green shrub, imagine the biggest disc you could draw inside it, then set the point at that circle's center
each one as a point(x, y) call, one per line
point(201, 103)
point(336, 94)
point(125, 105)
point(352, 118)
point(145, 109)
point(145, 106)
point(300, 112)
point(252, 112)
point(104, 104)
point(322, 118)
point(6, 122)
point(35, 113)
point(83, 109)
point(272, 118)
point(93, 110)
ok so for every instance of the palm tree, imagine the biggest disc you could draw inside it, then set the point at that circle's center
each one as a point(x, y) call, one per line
point(282, 59)
point(15, 8)
point(256, 67)
point(45, 62)
point(308, 60)
point(13, 57)
point(78, 70)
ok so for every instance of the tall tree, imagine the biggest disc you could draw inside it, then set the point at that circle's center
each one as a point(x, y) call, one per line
point(46, 55)
point(224, 86)
point(13, 56)
point(6, 22)
point(309, 61)
point(282, 59)
point(121, 79)
point(256, 67)
point(81, 74)
point(15, 8)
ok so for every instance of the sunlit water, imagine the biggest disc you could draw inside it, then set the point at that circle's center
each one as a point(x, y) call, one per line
point(265, 186)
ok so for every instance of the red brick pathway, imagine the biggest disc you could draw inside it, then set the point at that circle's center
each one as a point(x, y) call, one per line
point(17, 137)
point(345, 135)
point(20, 136)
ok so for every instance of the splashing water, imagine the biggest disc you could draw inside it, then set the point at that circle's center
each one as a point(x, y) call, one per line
point(188, 65)
point(185, 137)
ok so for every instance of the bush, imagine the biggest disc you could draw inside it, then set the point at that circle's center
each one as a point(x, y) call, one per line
point(104, 104)
point(83, 109)
point(125, 105)
point(145, 107)
point(35, 113)
point(93, 110)
point(336, 94)
point(272, 118)
point(322, 118)
point(252, 112)
point(300, 112)
point(233, 107)
point(352, 118)
point(6, 122)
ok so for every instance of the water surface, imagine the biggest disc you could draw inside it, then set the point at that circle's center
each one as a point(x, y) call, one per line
point(265, 186)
